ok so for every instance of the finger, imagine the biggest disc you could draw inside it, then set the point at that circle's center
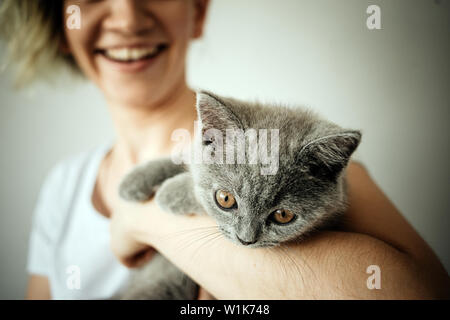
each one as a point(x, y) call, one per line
point(140, 258)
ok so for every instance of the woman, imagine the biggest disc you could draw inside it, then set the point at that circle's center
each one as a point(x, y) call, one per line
point(71, 220)
point(134, 51)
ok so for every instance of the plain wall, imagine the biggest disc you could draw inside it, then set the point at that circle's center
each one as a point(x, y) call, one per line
point(391, 83)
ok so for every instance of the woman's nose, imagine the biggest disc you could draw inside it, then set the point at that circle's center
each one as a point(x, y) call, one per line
point(129, 17)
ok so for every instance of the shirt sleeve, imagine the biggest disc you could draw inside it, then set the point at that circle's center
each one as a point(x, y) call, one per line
point(44, 230)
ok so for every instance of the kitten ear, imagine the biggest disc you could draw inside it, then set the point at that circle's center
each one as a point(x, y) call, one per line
point(327, 156)
point(213, 113)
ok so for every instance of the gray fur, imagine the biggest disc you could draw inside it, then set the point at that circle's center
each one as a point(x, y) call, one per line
point(160, 280)
point(141, 183)
point(176, 195)
point(310, 181)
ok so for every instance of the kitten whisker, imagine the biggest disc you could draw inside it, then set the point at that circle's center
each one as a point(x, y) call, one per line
point(286, 254)
point(299, 268)
point(186, 237)
point(194, 239)
point(215, 236)
point(188, 230)
point(279, 261)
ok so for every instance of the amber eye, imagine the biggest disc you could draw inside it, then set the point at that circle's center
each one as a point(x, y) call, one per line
point(225, 199)
point(282, 216)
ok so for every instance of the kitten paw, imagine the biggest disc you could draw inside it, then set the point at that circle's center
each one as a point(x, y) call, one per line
point(134, 187)
point(167, 203)
point(176, 195)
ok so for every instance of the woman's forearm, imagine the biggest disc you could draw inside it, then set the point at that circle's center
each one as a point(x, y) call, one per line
point(331, 265)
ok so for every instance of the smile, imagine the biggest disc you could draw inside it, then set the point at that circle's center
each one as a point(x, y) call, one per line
point(129, 55)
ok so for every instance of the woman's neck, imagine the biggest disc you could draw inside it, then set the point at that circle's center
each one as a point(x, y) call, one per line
point(145, 133)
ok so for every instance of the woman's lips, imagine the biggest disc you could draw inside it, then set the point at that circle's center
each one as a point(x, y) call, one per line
point(131, 60)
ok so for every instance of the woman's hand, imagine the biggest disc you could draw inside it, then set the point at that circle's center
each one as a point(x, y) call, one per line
point(130, 232)
point(136, 228)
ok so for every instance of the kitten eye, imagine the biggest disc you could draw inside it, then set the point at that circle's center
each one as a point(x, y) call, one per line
point(282, 216)
point(225, 199)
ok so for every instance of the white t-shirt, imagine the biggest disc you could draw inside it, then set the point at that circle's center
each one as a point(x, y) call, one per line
point(70, 240)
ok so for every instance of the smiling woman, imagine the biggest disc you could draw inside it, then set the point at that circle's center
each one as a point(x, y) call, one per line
point(135, 52)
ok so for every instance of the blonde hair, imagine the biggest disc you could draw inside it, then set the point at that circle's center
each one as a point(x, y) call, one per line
point(33, 31)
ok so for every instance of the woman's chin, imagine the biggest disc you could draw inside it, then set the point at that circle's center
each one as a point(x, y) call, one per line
point(133, 93)
point(130, 100)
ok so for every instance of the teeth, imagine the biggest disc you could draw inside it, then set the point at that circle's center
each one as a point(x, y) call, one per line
point(130, 54)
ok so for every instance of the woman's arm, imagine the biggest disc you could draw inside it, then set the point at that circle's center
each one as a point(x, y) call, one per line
point(372, 213)
point(329, 265)
point(38, 288)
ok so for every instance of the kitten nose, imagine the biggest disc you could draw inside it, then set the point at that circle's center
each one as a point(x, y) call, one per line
point(246, 243)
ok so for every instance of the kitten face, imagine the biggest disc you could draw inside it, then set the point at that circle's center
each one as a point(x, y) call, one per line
point(266, 210)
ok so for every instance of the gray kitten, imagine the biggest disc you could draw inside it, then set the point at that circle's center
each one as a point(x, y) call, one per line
point(306, 192)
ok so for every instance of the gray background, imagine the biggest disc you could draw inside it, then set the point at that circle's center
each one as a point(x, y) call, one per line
point(392, 83)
